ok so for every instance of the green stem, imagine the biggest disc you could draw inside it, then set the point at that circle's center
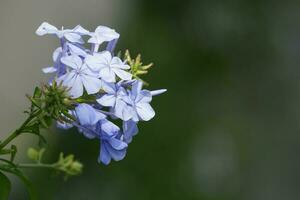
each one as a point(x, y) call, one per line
point(39, 165)
point(6, 151)
point(18, 131)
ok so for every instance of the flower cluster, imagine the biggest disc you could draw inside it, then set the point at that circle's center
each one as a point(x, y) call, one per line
point(103, 85)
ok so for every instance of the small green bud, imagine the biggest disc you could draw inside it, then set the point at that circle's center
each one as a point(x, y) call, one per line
point(75, 168)
point(136, 66)
point(33, 154)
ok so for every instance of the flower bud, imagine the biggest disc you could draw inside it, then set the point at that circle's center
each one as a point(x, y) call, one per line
point(33, 154)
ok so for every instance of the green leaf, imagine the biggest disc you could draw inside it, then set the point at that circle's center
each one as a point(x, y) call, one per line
point(5, 187)
point(24, 179)
point(37, 92)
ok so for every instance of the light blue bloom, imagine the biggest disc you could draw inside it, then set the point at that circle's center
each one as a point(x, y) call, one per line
point(140, 103)
point(108, 80)
point(88, 117)
point(73, 35)
point(58, 67)
point(111, 147)
point(103, 34)
point(79, 75)
point(114, 98)
point(93, 124)
point(108, 67)
point(111, 46)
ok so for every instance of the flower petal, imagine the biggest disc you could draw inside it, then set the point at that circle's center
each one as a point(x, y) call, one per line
point(87, 115)
point(107, 74)
point(107, 100)
point(117, 155)
point(109, 127)
point(104, 156)
point(158, 92)
point(46, 28)
point(117, 144)
point(91, 84)
point(49, 70)
point(72, 61)
point(73, 37)
point(145, 111)
point(124, 75)
point(130, 129)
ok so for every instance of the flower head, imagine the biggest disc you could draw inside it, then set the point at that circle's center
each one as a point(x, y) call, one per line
point(100, 86)
point(108, 66)
point(72, 35)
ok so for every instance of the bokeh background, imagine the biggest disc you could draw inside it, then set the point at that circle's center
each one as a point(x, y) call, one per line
point(228, 127)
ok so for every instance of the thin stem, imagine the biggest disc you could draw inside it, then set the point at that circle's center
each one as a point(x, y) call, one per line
point(39, 165)
point(18, 131)
point(6, 151)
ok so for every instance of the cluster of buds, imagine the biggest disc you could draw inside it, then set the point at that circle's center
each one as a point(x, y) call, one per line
point(52, 102)
point(65, 164)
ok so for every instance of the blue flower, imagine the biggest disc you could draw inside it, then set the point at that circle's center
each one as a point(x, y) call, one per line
point(108, 67)
point(140, 102)
point(103, 34)
point(111, 146)
point(114, 98)
point(74, 35)
point(108, 82)
point(88, 117)
point(93, 124)
point(78, 76)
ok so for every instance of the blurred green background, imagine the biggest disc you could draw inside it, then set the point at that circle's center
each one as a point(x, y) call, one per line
point(228, 127)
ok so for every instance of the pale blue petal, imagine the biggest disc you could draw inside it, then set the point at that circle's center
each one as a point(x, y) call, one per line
point(109, 127)
point(124, 75)
point(57, 54)
point(76, 87)
point(109, 88)
point(136, 88)
point(130, 129)
point(158, 92)
point(144, 97)
point(87, 115)
point(117, 144)
point(122, 110)
point(111, 45)
point(82, 31)
point(46, 28)
point(107, 75)
point(73, 37)
point(106, 34)
point(116, 62)
point(145, 111)
point(75, 49)
point(98, 60)
point(107, 100)
point(91, 84)
point(49, 70)
point(72, 61)
point(117, 155)
point(104, 156)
